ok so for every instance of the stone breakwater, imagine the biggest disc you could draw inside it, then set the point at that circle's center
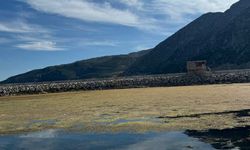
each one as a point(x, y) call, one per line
point(222, 77)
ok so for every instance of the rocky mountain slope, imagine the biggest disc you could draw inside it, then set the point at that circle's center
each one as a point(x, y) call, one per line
point(220, 38)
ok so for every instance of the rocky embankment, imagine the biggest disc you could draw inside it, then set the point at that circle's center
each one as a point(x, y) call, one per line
point(221, 77)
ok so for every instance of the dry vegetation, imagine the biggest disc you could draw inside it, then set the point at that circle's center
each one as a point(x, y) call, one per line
point(130, 109)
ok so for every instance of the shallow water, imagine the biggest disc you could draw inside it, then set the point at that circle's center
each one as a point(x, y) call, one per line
point(60, 140)
point(235, 138)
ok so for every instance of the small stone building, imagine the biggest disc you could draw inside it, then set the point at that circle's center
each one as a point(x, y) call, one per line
point(197, 67)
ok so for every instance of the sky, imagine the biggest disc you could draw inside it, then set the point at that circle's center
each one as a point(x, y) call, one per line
point(39, 33)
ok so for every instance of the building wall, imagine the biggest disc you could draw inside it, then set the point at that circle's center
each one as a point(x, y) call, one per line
point(197, 67)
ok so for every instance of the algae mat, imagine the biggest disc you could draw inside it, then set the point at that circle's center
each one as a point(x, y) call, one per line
point(135, 110)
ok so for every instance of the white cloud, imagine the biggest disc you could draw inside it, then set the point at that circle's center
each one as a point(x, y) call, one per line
point(30, 36)
point(133, 3)
point(178, 9)
point(39, 46)
point(141, 14)
point(100, 43)
point(5, 28)
point(20, 27)
point(89, 11)
point(142, 47)
point(33, 38)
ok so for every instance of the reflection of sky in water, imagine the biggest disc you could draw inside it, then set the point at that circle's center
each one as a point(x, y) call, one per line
point(58, 140)
point(41, 135)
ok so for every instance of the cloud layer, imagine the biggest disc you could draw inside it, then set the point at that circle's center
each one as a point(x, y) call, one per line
point(161, 17)
point(39, 46)
point(35, 37)
point(18, 26)
point(177, 9)
point(87, 11)
point(133, 13)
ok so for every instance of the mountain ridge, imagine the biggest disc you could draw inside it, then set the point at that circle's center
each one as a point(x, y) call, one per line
point(220, 38)
point(207, 37)
point(100, 67)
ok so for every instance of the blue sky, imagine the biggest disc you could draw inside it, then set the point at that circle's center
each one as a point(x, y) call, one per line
point(39, 33)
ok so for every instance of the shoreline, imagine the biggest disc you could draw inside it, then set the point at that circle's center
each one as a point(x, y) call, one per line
point(145, 109)
point(165, 80)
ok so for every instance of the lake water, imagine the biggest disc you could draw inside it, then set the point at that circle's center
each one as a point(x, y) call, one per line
point(61, 140)
point(233, 139)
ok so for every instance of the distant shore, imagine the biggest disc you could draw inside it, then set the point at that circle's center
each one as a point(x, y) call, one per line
point(163, 80)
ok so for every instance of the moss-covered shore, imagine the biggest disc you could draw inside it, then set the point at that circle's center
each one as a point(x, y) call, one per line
point(136, 110)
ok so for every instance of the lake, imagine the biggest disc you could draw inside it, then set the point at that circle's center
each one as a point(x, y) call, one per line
point(235, 138)
point(60, 140)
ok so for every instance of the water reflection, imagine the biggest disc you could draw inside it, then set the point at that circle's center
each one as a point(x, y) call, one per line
point(236, 138)
point(169, 141)
point(59, 140)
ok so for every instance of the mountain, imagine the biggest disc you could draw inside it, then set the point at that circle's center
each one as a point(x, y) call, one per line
point(102, 67)
point(220, 38)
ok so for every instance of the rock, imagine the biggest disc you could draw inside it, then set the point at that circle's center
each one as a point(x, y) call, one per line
point(127, 82)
